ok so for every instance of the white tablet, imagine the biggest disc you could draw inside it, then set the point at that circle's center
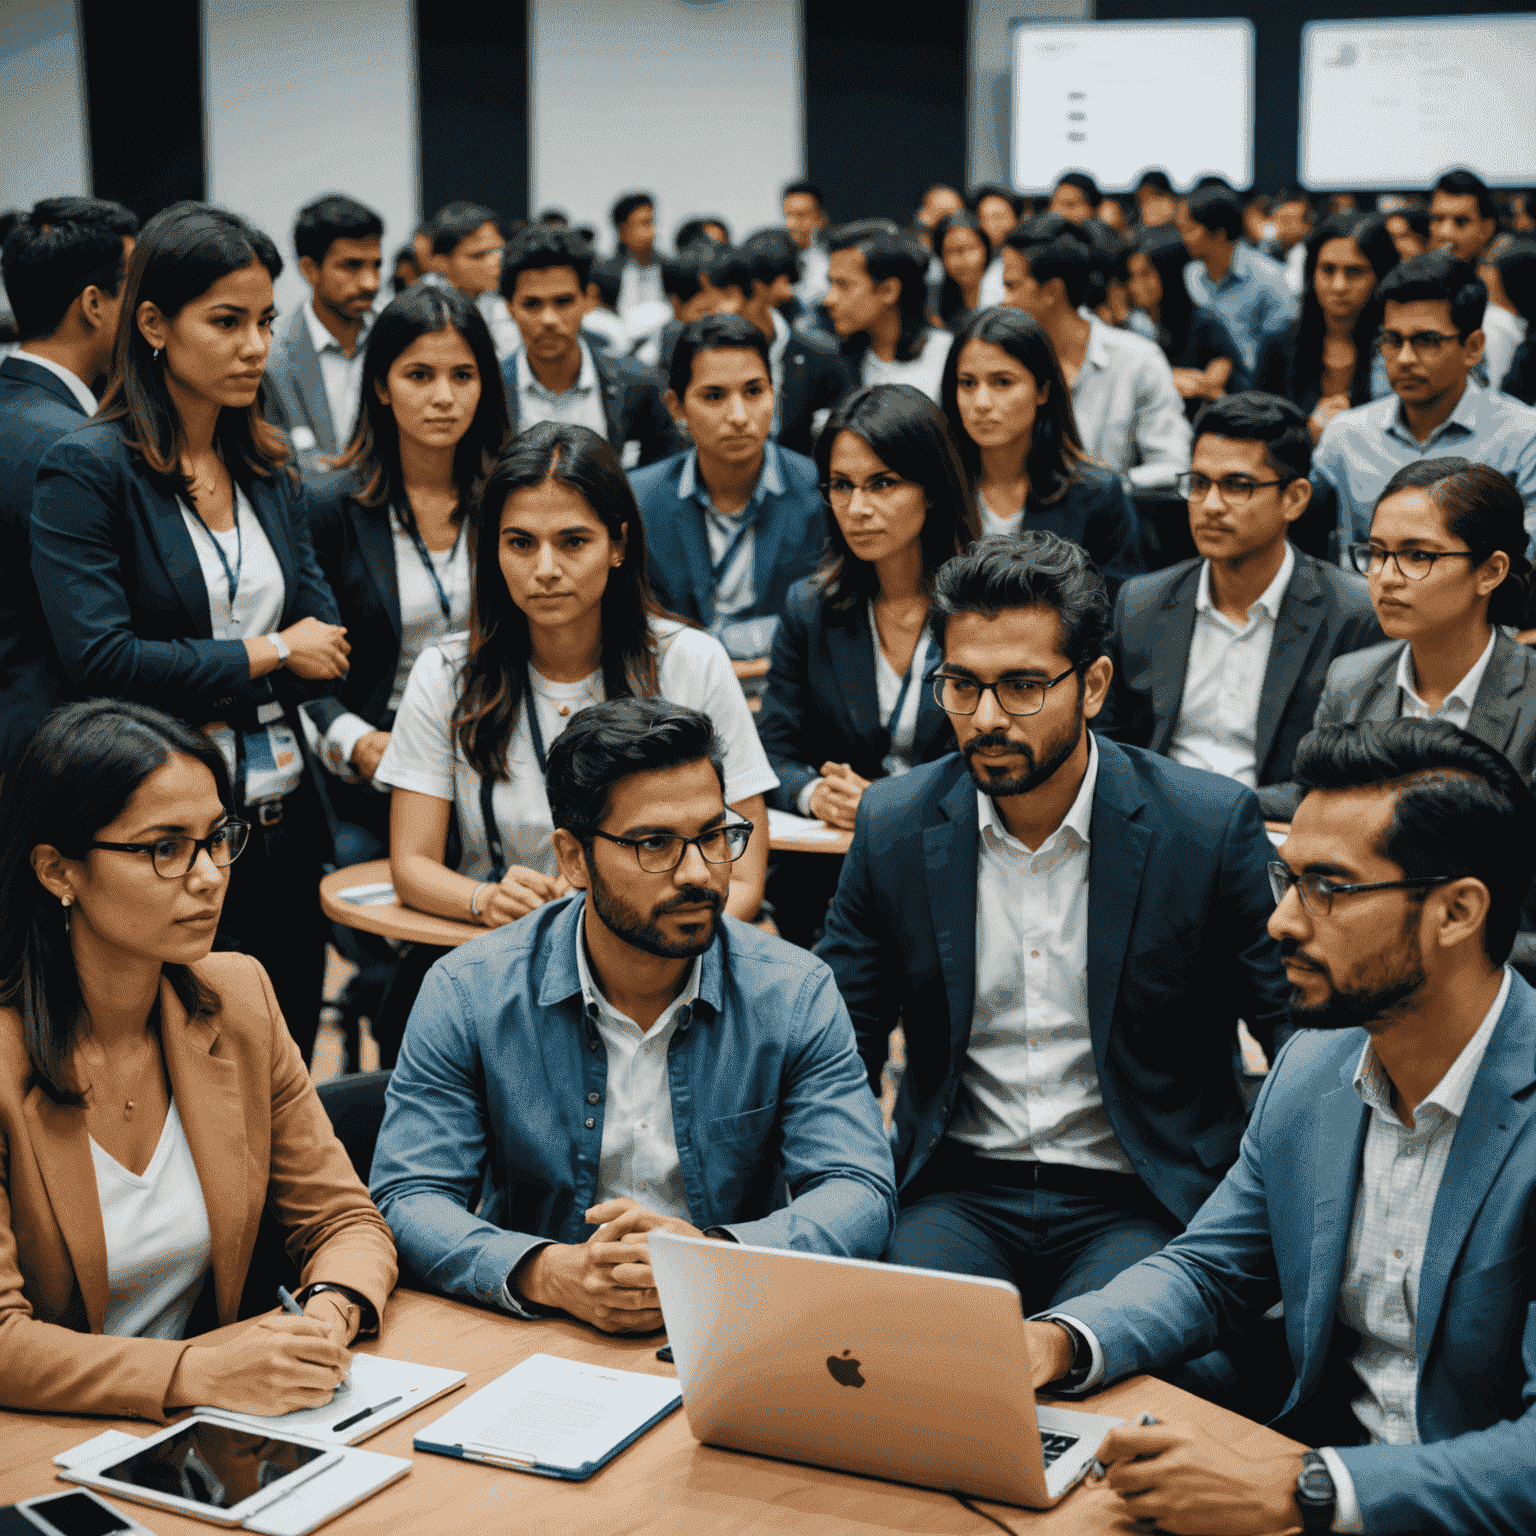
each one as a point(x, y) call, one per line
point(204, 1468)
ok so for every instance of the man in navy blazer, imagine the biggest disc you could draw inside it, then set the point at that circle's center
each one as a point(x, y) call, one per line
point(1068, 932)
point(1386, 1184)
point(64, 267)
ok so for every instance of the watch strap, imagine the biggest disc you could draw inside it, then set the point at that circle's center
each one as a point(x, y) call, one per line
point(368, 1317)
point(1316, 1500)
point(283, 649)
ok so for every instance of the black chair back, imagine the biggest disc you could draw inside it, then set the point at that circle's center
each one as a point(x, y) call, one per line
point(355, 1104)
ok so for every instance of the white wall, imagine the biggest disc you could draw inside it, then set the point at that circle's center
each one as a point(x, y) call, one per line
point(701, 104)
point(304, 97)
point(43, 139)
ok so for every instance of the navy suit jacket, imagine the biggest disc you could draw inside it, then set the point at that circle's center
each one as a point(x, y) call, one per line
point(821, 701)
point(786, 541)
point(1095, 512)
point(1277, 1229)
point(36, 409)
point(119, 581)
point(1177, 953)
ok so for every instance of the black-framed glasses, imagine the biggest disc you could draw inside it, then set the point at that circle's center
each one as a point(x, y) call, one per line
point(1236, 490)
point(173, 857)
point(1424, 343)
point(659, 853)
point(1317, 891)
point(1014, 695)
point(839, 492)
point(1412, 564)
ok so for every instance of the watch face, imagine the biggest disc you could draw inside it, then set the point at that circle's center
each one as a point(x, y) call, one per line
point(1315, 1483)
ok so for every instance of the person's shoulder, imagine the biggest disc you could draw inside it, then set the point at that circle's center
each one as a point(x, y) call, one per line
point(776, 962)
point(1313, 1062)
point(1193, 796)
point(1094, 486)
point(687, 654)
point(658, 479)
point(27, 403)
point(331, 491)
point(95, 449)
point(626, 370)
point(1511, 415)
point(1139, 593)
point(798, 470)
point(812, 341)
point(1372, 418)
point(503, 959)
point(804, 600)
point(899, 801)
point(1131, 349)
point(1354, 668)
point(15, 1063)
point(1352, 595)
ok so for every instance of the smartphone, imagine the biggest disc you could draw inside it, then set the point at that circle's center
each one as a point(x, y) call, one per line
point(78, 1514)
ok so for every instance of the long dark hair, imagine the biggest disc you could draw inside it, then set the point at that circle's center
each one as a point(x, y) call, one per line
point(951, 303)
point(1175, 310)
point(1055, 448)
point(374, 452)
point(76, 773)
point(906, 431)
point(500, 646)
point(181, 253)
point(1304, 370)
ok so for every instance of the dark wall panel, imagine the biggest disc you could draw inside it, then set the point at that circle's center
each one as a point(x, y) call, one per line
point(473, 63)
point(144, 86)
point(884, 103)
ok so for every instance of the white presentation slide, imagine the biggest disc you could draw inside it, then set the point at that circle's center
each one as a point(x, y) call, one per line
point(1394, 103)
point(1119, 98)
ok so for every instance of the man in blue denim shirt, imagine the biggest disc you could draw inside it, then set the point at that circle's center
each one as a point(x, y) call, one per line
point(627, 1061)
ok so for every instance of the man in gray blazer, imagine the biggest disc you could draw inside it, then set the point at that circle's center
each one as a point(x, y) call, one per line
point(315, 370)
point(1220, 661)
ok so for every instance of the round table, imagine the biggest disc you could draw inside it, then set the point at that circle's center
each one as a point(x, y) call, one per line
point(388, 918)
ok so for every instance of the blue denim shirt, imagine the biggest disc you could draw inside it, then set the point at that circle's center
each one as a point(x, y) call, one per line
point(1252, 298)
point(498, 1098)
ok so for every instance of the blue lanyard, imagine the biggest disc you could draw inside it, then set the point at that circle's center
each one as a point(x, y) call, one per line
point(718, 568)
point(231, 577)
point(919, 655)
point(407, 520)
point(535, 730)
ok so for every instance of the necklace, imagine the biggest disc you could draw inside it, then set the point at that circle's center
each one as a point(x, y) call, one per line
point(129, 1104)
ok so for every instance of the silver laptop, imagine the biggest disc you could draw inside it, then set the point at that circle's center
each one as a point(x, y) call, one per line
point(908, 1374)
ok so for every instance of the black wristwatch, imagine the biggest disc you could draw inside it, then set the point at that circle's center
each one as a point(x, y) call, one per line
point(1315, 1493)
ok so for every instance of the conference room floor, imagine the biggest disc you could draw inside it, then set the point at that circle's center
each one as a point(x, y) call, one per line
point(666, 1484)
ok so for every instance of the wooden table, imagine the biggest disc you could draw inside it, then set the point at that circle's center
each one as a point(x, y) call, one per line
point(666, 1484)
point(390, 919)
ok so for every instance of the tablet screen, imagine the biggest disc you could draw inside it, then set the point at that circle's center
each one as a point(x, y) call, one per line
point(214, 1464)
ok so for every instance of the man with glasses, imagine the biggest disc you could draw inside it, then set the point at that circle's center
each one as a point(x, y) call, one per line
point(1431, 339)
point(1220, 661)
point(628, 1059)
point(1386, 1183)
point(1068, 931)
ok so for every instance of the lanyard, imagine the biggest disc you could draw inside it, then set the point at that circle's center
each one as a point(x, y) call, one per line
point(231, 576)
point(535, 730)
point(718, 568)
point(408, 522)
point(492, 833)
point(914, 667)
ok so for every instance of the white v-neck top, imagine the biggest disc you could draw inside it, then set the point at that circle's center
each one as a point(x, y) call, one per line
point(158, 1243)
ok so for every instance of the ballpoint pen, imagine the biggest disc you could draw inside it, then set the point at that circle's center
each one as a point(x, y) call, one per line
point(288, 1304)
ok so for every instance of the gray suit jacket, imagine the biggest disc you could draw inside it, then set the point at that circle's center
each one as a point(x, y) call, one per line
point(293, 397)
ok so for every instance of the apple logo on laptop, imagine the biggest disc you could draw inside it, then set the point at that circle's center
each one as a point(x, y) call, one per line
point(845, 1369)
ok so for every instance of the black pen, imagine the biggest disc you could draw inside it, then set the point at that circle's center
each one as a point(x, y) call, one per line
point(357, 1418)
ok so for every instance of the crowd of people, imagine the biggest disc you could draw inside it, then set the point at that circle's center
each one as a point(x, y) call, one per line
point(1050, 550)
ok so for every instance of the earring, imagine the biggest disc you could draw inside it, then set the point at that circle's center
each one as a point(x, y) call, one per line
point(154, 356)
point(64, 901)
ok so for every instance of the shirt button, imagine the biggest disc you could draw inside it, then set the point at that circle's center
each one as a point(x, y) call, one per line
point(1397, 1253)
point(591, 1045)
point(592, 1098)
point(1034, 954)
point(590, 1122)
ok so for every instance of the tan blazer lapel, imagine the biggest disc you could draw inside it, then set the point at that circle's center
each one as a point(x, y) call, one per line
point(62, 1147)
point(206, 1089)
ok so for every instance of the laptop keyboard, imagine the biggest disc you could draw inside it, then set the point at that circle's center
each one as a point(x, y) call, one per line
point(1051, 1446)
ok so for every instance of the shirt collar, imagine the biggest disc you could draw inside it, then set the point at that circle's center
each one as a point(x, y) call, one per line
point(1097, 355)
point(1269, 599)
point(75, 384)
point(1464, 692)
point(1464, 418)
point(1075, 825)
point(1450, 1094)
point(586, 377)
point(592, 997)
point(322, 340)
point(780, 340)
point(770, 480)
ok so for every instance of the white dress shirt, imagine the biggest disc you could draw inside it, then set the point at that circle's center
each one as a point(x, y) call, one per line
point(992, 292)
point(925, 371)
point(579, 406)
point(341, 375)
point(1218, 720)
point(640, 285)
point(995, 522)
point(1030, 1087)
point(1502, 333)
point(494, 310)
point(72, 381)
point(1457, 708)
point(814, 275)
point(1128, 411)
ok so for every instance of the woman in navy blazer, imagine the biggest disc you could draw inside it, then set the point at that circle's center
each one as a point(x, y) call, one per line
point(1011, 412)
point(845, 702)
point(173, 570)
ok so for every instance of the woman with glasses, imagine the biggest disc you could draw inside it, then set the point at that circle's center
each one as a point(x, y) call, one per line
point(152, 1104)
point(1011, 414)
point(175, 569)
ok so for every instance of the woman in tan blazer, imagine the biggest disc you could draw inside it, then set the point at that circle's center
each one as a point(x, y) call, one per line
point(152, 1101)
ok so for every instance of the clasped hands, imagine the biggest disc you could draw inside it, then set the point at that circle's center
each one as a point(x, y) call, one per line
point(836, 799)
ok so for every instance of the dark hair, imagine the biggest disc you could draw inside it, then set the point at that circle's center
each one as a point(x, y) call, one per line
point(1216, 209)
point(607, 742)
point(950, 301)
point(1055, 247)
point(77, 771)
point(333, 218)
point(712, 333)
point(406, 253)
point(628, 204)
point(1055, 447)
point(1176, 309)
point(978, 195)
point(1288, 195)
point(692, 230)
point(1438, 277)
point(1483, 509)
point(374, 453)
point(1084, 184)
point(494, 676)
point(888, 255)
point(907, 432)
point(1459, 808)
point(58, 250)
point(555, 217)
point(683, 275)
point(541, 247)
point(803, 189)
point(1516, 266)
point(1257, 417)
point(1031, 569)
point(1157, 181)
point(608, 278)
point(181, 253)
point(728, 268)
point(770, 254)
point(456, 222)
point(1466, 184)
point(1304, 366)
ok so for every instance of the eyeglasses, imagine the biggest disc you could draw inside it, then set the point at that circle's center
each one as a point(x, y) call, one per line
point(1317, 891)
point(1014, 695)
point(1236, 490)
point(1412, 564)
point(882, 487)
point(173, 857)
point(661, 852)
point(1424, 343)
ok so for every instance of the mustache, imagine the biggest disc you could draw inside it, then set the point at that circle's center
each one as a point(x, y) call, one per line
point(1290, 949)
point(994, 739)
point(691, 896)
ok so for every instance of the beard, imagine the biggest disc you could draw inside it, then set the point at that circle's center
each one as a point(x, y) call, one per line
point(1391, 980)
point(1035, 772)
point(627, 923)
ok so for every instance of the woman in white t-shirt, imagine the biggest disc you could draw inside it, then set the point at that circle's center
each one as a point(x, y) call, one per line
point(561, 617)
